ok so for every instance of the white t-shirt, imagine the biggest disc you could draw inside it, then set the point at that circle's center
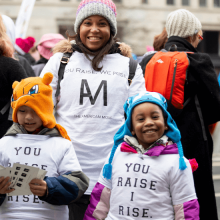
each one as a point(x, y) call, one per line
point(91, 105)
point(54, 154)
point(144, 187)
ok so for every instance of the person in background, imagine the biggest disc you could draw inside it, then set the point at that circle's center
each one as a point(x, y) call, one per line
point(160, 40)
point(93, 89)
point(10, 30)
point(23, 46)
point(45, 46)
point(202, 95)
point(34, 53)
point(10, 71)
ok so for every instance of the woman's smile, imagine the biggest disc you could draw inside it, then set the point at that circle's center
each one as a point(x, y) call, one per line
point(94, 38)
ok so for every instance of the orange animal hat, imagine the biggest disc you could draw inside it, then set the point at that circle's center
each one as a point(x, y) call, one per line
point(36, 93)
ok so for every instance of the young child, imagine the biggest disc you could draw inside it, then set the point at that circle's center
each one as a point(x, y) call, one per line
point(145, 177)
point(36, 140)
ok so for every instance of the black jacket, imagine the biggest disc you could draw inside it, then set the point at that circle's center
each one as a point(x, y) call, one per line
point(29, 58)
point(201, 81)
point(27, 67)
point(10, 71)
point(38, 67)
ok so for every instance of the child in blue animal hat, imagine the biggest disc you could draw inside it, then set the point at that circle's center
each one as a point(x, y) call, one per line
point(146, 175)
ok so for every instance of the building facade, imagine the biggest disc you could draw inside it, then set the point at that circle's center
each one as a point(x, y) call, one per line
point(138, 20)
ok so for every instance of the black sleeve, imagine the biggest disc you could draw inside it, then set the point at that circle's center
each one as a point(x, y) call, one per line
point(27, 67)
point(208, 91)
point(10, 71)
point(145, 61)
point(16, 72)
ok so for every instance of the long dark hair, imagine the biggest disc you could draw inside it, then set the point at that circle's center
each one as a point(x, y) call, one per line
point(98, 55)
point(160, 40)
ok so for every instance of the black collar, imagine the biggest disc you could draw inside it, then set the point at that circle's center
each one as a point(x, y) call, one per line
point(181, 43)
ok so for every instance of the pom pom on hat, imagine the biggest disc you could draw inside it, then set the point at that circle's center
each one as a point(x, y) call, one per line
point(24, 45)
point(47, 78)
point(15, 83)
point(182, 23)
point(107, 171)
point(194, 164)
point(105, 8)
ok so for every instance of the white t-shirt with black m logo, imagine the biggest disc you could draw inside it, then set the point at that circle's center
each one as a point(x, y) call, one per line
point(91, 105)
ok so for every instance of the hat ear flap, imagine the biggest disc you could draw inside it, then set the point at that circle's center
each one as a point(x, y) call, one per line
point(14, 84)
point(47, 79)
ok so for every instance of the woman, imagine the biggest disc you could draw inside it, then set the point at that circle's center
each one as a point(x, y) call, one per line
point(185, 31)
point(10, 71)
point(94, 88)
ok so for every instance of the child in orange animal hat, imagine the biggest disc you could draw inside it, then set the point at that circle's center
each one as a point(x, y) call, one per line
point(36, 139)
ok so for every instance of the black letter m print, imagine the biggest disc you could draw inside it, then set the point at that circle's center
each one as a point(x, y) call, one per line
point(89, 94)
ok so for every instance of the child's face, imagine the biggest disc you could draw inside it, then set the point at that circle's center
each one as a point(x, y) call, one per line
point(148, 123)
point(28, 118)
point(94, 32)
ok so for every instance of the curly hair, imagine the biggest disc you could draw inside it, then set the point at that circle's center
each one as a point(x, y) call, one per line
point(6, 47)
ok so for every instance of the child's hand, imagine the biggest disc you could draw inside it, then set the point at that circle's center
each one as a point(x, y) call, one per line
point(4, 184)
point(38, 187)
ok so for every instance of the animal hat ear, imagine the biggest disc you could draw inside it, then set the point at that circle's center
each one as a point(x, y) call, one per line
point(47, 79)
point(15, 83)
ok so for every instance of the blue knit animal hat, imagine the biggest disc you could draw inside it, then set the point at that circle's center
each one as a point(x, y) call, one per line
point(173, 132)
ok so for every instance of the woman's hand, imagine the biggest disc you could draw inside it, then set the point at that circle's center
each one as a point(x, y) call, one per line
point(4, 184)
point(38, 187)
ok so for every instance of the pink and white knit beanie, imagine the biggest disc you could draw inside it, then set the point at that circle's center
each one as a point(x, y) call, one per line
point(105, 8)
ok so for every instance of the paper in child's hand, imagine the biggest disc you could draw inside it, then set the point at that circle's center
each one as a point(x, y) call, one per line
point(20, 177)
point(23, 175)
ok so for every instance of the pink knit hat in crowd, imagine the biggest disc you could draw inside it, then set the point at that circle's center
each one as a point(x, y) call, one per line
point(24, 45)
point(46, 44)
